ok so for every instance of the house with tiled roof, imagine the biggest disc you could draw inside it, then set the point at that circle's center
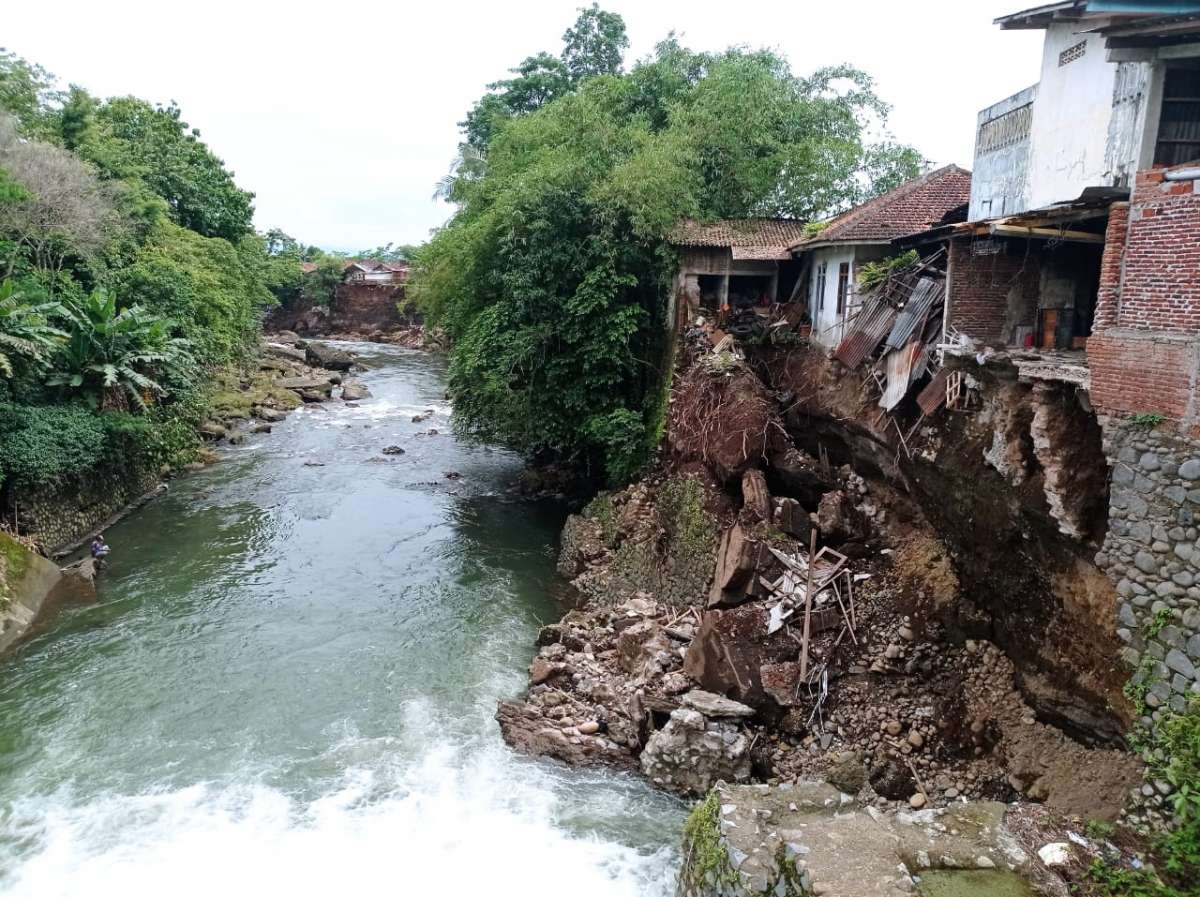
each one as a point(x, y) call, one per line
point(733, 262)
point(832, 255)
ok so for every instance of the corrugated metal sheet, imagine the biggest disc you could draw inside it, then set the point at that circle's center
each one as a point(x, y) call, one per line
point(912, 317)
point(899, 364)
point(867, 331)
point(933, 396)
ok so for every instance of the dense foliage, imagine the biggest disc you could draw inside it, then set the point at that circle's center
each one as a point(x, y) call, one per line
point(128, 271)
point(553, 275)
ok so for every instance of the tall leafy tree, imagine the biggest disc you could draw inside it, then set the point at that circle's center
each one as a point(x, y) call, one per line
point(553, 274)
point(595, 44)
point(134, 140)
point(28, 92)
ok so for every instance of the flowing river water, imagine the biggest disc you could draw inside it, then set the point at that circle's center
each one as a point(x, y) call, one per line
point(287, 685)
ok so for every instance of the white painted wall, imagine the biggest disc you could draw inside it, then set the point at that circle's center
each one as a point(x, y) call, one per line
point(828, 325)
point(1070, 118)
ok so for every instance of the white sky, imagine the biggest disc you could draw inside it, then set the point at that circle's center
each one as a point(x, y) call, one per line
point(342, 116)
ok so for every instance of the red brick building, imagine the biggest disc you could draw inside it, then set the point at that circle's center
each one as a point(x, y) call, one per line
point(1145, 352)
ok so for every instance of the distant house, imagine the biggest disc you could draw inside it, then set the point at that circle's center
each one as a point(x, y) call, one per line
point(371, 271)
point(832, 256)
point(734, 261)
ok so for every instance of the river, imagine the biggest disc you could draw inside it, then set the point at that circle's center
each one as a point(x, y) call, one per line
point(287, 685)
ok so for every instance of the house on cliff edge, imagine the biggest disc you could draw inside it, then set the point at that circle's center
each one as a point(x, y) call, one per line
point(733, 262)
point(832, 256)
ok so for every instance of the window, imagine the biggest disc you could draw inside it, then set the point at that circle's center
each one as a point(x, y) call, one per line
point(843, 286)
point(819, 287)
point(1179, 123)
point(1069, 55)
point(1004, 130)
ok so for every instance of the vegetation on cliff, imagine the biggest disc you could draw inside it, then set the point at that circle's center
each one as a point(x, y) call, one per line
point(129, 271)
point(553, 275)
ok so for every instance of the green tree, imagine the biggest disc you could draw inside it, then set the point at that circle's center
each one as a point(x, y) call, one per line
point(595, 44)
point(134, 140)
point(211, 290)
point(76, 117)
point(26, 334)
point(389, 252)
point(115, 358)
point(539, 80)
point(553, 275)
point(320, 284)
point(28, 92)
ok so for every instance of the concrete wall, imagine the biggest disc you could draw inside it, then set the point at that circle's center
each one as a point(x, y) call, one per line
point(1000, 175)
point(1088, 122)
point(1070, 118)
point(27, 580)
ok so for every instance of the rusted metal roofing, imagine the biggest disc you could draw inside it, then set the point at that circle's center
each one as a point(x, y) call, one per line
point(899, 364)
point(911, 318)
point(933, 396)
point(867, 330)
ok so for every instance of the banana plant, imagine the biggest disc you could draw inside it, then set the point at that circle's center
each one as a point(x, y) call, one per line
point(26, 334)
point(114, 357)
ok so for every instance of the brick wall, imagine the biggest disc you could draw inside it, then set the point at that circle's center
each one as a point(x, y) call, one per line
point(1145, 349)
point(1110, 267)
point(1160, 288)
point(1134, 371)
point(983, 288)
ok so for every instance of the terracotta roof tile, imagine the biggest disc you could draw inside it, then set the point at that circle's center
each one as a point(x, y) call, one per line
point(912, 207)
point(763, 233)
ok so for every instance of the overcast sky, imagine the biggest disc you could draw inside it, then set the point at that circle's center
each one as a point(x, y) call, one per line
point(342, 116)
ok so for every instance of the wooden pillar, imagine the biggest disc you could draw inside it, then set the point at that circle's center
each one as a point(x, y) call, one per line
point(724, 297)
point(774, 291)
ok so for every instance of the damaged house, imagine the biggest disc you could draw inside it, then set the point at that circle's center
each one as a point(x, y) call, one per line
point(1119, 92)
point(833, 254)
point(733, 262)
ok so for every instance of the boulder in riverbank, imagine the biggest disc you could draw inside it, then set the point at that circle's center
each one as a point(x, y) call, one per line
point(354, 390)
point(328, 357)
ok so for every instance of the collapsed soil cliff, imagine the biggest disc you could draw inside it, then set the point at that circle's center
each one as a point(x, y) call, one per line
point(1015, 488)
point(977, 657)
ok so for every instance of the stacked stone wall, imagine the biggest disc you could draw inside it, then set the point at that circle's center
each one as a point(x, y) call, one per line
point(61, 514)
point(1152, 552)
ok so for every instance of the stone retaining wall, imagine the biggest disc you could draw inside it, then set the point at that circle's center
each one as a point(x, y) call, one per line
point(1152, 553)
point(61, 514)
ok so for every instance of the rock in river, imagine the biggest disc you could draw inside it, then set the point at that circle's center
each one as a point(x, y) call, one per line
point(353, 390)
point(329, 357)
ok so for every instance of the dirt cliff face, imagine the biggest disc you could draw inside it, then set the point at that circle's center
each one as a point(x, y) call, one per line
point(357, 308)
point(1016, 491)
point(975, 659)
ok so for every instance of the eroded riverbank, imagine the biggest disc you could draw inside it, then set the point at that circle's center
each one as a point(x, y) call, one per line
point(288, 684)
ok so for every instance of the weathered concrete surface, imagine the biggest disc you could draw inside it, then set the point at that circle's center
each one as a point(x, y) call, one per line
point(27, 584)
point(809, 838)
